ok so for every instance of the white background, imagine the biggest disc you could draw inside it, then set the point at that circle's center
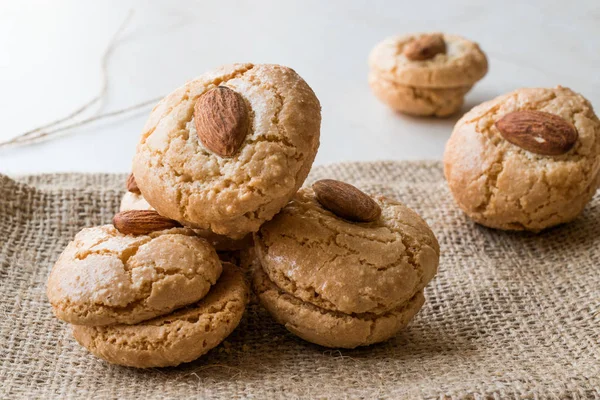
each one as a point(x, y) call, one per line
point(50, 63)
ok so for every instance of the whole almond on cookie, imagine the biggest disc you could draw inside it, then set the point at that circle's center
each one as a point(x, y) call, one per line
point(142, 222)
point(132, 185)
point(346, 200)
point(222, 120)
point(425, 47)
point(538, 132)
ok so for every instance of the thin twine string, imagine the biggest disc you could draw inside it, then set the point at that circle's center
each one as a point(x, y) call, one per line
point(41, 133)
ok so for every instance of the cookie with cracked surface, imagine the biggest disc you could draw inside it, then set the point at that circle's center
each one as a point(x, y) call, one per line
point(331, 328)
point(176, 338)
point(104, 277)
point(502, 185)
point(344, 266)
point(433, 83)
point(230, 195)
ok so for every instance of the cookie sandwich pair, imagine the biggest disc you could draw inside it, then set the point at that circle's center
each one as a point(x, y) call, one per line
point(340, 268)
point(144, 293)
point(426, 74)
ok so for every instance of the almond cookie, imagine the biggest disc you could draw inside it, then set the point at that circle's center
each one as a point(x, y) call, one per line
point(527, 160)
point(425, 74)
point(179, 337)
point(106, 277)
point(228, 150)
point(344, 255)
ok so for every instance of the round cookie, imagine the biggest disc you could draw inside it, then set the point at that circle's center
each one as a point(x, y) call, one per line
point(186, 179)
point(331, 328)
point(104, 277)
point(339, 265)
point(342, 269)
point(179, 337)
point(425, 74)
point(503, 179)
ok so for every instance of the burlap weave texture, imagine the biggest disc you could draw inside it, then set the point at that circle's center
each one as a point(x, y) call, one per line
point(510, 315)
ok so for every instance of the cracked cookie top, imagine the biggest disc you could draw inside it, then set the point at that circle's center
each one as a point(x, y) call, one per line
point(351, 267)
point(504, 186)
point(232, 196)
point(462, 64)
point(104, 277)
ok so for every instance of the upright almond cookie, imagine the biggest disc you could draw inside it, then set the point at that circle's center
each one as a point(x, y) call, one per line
point(527, 160)
point(228, 150)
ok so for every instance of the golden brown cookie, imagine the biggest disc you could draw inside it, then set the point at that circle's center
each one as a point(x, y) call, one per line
point(347, 278)
point(104, 277)
point(346, 266)
point(527, 160)
point(227, 151)
point(332, 328)
point(425, 74)
point(179, 337)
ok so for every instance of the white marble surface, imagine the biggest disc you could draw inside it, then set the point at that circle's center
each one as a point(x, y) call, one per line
point(50, 54)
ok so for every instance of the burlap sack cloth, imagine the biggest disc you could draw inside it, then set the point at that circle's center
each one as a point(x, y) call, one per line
point(508, 315)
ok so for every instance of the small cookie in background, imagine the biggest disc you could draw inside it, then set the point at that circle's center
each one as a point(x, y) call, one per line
point(228, 150)
point(342, 269)
point(527, 160)
point(176, 338)
point(108, 275)
point(133, 200)
point(425, 74)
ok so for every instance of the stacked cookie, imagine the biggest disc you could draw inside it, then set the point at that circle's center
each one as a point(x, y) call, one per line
point(217, 158)
point(342, 269)
point(228, 150)
point(216, 167)
point(425, 74)
point(120, 291)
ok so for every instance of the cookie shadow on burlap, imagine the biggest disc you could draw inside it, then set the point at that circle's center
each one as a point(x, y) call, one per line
point(549, 249)
point(261, 348)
